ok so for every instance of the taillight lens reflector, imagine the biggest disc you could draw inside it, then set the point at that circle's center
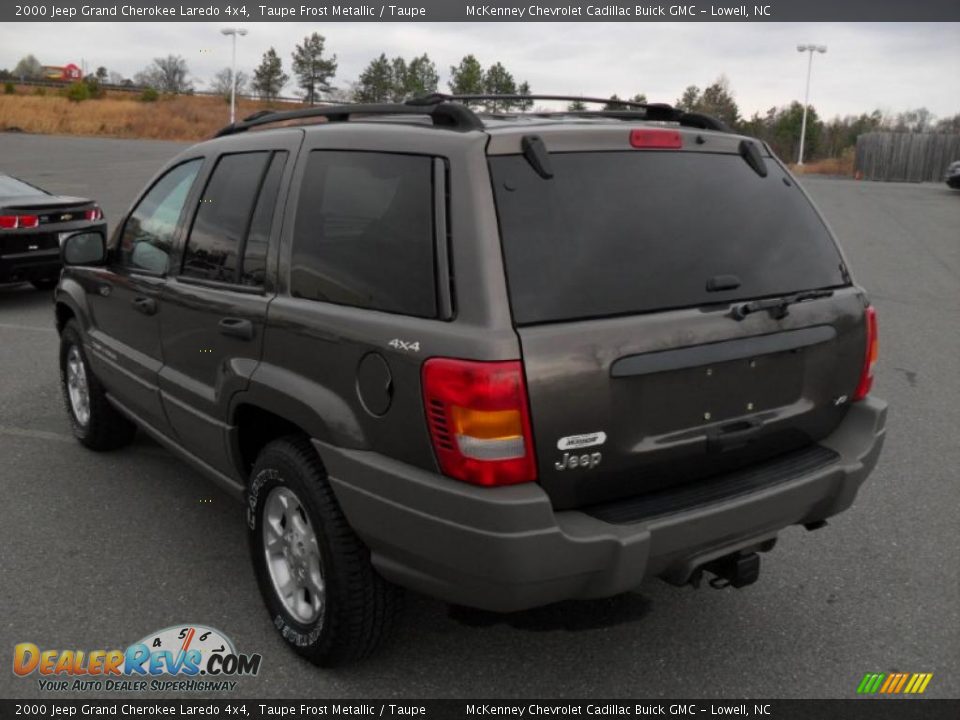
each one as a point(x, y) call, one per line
point(479, 420)
point(870, 359)
point(8, 222)
point(95, 214)
point(656, 139)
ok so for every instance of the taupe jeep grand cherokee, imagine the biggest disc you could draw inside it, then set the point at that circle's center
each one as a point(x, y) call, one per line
point(500, 359)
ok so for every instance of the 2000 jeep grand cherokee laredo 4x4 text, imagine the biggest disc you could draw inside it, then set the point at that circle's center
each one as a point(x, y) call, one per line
point(502, 360)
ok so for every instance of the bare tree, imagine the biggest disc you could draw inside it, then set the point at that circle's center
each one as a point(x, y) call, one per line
point(29, 68)
point(222, 82)
point(169, 74)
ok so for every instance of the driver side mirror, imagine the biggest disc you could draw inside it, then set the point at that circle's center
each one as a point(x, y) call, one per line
point(87, 247)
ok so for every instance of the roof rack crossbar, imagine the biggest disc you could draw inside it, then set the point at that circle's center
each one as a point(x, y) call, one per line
point(447, 115)
point(623, 109)
point(442, 97)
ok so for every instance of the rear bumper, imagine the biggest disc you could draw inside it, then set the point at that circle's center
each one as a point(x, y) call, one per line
point(506, 549)
point(35, 254)
point(30, 265)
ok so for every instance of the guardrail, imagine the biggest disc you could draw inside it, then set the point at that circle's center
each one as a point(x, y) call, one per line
point(140, 88)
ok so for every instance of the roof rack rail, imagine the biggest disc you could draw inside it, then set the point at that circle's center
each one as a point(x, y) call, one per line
point(686, 119)
point(622, 109)
point(447, 115)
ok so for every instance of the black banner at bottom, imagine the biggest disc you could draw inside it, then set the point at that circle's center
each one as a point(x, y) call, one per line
point(865, 709)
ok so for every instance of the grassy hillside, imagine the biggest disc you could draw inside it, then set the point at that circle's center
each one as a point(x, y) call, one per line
point(120, 115)
point(181, 117)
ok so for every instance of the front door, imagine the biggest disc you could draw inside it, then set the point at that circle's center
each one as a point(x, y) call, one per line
point(124, 298)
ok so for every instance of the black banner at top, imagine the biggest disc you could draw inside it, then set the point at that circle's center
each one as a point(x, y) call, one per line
point(479, 11)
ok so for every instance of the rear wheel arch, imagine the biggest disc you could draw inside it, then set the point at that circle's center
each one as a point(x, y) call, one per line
point(300, 405)
point(254, 428)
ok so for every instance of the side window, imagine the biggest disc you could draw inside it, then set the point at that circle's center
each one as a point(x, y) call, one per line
point(148, 235)
point(363, 234)
point(223, 217)
point(254, 265)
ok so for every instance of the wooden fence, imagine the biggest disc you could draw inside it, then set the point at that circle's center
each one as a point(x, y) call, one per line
point(905, 157)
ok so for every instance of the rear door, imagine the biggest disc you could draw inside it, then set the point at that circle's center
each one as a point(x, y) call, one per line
point(215, 306)
point(623, 270)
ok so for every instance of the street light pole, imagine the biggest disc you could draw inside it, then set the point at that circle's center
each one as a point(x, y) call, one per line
point(806, 97)
point(233, 70)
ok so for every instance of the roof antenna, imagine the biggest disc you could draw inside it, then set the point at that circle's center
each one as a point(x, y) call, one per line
point(536, 154)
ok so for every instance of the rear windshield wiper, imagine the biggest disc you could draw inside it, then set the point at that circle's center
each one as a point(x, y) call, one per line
point(778, 306)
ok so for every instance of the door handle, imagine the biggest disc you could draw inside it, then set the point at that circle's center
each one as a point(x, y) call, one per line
point(237, 327)
point(148, 306)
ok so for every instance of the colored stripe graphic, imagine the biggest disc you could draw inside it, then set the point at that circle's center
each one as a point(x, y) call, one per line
point(870, 683)
point(899, 687)
point(894, 683)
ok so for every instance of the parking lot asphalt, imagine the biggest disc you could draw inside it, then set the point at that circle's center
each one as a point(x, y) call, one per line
point(98, 550)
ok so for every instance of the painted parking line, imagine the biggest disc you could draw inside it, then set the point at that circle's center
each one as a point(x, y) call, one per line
point(67, 438)
point(36, 434)
point(34, 328)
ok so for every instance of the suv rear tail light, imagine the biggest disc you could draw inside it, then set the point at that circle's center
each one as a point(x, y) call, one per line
point(662, 139)
point(12, 222)
point(870, 360)
point(95, 214)
point(479, 420)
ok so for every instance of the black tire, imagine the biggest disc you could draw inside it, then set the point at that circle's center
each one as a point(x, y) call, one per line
point(105, 428)
point(360, 607)
point(45, 283)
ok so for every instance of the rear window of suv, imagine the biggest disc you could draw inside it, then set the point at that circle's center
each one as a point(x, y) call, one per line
point(616, 233)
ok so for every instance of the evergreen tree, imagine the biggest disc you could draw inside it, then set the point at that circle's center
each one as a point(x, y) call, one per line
point(524, 89)
point(613, 103)
point(314, 72)
point(398, 79)
point(422, 77)
point(499, 81)
point(690, 98)
point(376, 82)
point(467, 78)
point(269, 77)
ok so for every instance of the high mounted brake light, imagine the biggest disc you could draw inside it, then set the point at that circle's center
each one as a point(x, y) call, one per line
point(870, 358)
point(656, 139)
point(479, 420)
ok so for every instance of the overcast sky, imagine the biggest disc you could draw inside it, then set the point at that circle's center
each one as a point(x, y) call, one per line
point(891, 66)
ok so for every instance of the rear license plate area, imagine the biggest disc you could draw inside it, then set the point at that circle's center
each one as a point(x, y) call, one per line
point(681, 399)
